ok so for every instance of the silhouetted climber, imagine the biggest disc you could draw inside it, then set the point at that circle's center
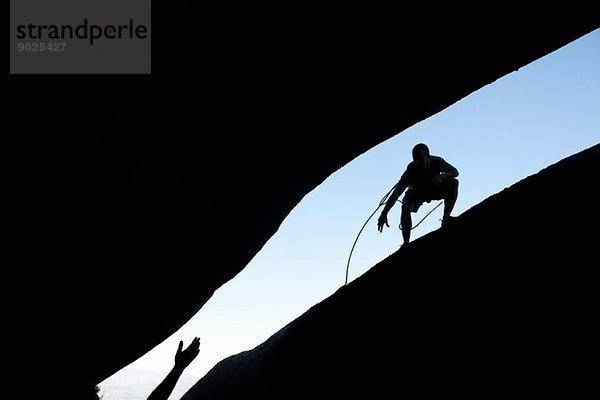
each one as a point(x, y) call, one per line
point(183, 358)
point(427, 178)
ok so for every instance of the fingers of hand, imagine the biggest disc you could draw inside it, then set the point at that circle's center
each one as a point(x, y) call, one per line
point(381, 222)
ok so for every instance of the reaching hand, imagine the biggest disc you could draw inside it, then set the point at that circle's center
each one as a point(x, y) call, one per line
point(183, 358)
point(381, 221)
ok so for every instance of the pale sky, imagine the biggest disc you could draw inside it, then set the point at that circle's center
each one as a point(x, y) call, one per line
point(496, 136)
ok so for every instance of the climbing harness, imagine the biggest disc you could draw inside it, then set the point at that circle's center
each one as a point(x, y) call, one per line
point(382, 202)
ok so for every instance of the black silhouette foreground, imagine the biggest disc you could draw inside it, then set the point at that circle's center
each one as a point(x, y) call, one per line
point(183, 359)
point(118, 190)
point(427, 178)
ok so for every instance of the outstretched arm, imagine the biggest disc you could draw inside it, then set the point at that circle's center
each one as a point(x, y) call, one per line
point(400, 187)
point(183, 358)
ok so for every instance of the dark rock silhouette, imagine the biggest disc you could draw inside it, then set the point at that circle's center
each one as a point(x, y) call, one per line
point(501, 302)
point(139, 196)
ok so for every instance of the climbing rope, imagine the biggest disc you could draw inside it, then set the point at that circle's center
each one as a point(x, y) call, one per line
point(381, 203)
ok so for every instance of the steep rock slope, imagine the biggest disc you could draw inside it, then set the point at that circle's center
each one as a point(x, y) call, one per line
point(502, 303)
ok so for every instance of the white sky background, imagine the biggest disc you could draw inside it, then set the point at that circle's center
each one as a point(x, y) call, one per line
point(498, 135)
